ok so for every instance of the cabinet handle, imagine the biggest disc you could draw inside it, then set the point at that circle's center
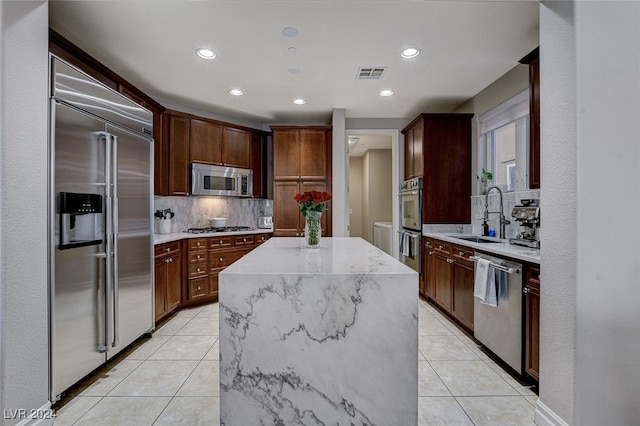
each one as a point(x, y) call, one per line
point(198, 269)
point(441, 247)
point(167, 249)
point(220, 242)
point(198, 288)
point(198, 256)
point(220, 259)
point(430, 253)
point(460, 253)
point(170, 260)
point(198, 243)
point(244, 240)
point(525, 290)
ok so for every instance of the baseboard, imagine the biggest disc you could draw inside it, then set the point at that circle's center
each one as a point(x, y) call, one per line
point(42, 416)
point(544, 416)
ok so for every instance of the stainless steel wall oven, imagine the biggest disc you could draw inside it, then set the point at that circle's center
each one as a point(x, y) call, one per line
point(411, 222)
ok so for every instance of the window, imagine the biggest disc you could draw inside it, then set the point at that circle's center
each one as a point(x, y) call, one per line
point(504, 141)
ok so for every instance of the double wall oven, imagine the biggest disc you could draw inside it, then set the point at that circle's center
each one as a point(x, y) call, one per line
point(411, 222)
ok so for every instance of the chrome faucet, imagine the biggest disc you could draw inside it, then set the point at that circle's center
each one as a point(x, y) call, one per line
point(503, 219)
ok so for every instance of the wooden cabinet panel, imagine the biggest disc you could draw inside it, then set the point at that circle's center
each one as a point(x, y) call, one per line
point(197, 244)
point(168, 279)
point(442, 275)
point(462, 282)
point(198, 270)
point(178, 142)
point(205, 142)
point(244, 240)
point(261, 238)
point(259, 142)
point(533, 60)
point(287, 219)
point(286, 155)
point(220, 242)
point(449, 279)
point(532, 322)
point(213, 284)
point(438, 148)
point(198, 288)
point(313, 154)
point(236, 148)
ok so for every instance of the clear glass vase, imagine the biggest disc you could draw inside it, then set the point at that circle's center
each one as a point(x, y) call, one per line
point(313, 229)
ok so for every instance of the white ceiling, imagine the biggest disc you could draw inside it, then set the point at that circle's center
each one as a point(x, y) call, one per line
point(466, 45)
point(367, 142)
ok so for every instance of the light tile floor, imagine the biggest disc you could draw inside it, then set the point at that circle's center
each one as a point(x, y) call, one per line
point(172, 379)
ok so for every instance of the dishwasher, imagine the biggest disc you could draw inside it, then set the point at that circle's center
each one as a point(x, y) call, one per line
point(500, 328)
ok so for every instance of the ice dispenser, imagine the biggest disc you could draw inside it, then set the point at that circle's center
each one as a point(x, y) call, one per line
point(80, 219)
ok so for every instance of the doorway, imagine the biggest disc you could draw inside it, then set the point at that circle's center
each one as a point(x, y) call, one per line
point(373, 183)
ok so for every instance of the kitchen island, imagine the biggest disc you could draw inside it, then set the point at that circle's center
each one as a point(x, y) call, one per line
point(318, 336)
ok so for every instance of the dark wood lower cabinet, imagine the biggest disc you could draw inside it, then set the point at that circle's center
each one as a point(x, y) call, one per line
point(448, 280)
point(168, 279)
point(532, 321)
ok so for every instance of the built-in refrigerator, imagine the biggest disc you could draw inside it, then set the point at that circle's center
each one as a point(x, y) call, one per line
point(100, 221)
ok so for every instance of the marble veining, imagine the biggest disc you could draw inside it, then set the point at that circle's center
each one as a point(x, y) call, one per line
point(318, 336)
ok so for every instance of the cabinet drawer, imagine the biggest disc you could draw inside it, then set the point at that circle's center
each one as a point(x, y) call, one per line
point(462, 253)
point(261, 238)
point(245, 240)
point(197, 270)
point(168, 248)
point(220, 242)
point(197, 244)
point(197, 288)
point(223, 259)
point(197, 257)
point(441, 247)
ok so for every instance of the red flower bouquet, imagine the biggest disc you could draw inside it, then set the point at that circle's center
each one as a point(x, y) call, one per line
point(312, 201)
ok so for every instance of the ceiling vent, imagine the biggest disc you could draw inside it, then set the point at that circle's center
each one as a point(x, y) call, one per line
point(370, 73)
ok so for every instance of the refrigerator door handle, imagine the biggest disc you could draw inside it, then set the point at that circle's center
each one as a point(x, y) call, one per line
point(114, 219)
point(108, 240)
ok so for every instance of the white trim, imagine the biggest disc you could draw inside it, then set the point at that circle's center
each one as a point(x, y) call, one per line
point(33, 421)
point(508, 111)
point(397, 157)
point(544, 416)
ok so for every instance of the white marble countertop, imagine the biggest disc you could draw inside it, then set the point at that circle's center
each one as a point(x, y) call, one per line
point(500, 248)
point(175, 236)
point(340, 255)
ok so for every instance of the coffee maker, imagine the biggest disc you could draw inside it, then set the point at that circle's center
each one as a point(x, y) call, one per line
point(528, 216)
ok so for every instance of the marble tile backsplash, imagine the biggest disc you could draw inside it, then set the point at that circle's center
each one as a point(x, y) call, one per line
point(510, 200)
point(195, 212)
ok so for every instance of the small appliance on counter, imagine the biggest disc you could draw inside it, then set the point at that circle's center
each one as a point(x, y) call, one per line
point(528, 216)
point(265, 222)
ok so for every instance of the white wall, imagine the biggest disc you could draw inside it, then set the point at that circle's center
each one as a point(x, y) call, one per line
point(377, 203)
point(590, 156)
point(608, 251)
point(23, 207)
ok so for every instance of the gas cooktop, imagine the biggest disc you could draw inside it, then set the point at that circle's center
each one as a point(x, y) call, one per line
point(221, 229)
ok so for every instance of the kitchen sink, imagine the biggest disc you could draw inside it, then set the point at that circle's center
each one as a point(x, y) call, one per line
point(477, 239)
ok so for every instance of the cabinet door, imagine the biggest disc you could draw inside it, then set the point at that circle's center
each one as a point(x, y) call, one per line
point(534, 130)
point(429, 272)
point(178, 138)
point(160, 154)
point(286, 155)
point(173, 282)
point(258, 164)
point(236, 148)
point(313, 154)
point(160, 287)
point(418, 162)
point(532, 323)
point(286, 213)
point(442, 281)
point(205, 142)
point(462, 306)
point(408, 154)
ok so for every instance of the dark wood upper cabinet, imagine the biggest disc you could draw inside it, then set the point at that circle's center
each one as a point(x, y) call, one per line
point(440, 147)
point(178, 146)
point(236, 148)
point(533, 60)
point(205, 142)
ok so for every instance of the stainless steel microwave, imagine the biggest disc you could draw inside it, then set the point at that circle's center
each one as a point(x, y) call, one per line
point(221, 181)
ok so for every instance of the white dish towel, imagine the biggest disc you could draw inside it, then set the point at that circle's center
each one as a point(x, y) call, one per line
point(484, 287)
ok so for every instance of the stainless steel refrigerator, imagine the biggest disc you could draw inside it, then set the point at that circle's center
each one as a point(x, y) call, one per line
point(100, 221)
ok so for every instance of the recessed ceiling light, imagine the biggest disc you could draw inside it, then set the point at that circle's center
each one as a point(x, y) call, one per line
point(410, 52)
point(289, 32)
point(299, 101)
point(292, 49)
point(205, 53)
point(236, 92)
point(386, 92)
